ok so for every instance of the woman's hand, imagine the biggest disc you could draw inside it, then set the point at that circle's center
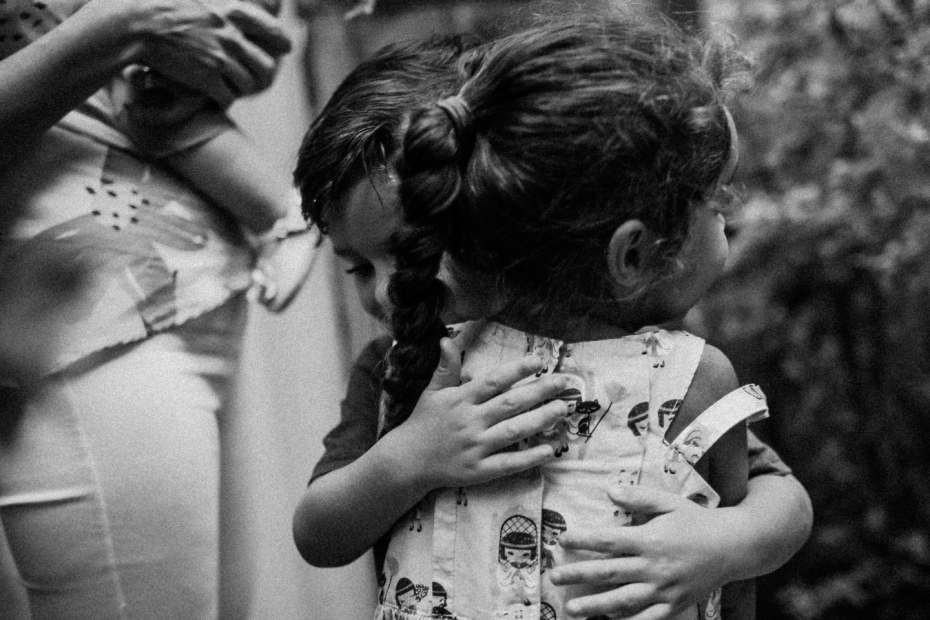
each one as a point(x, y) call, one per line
point(659, 568)
point(222, 48)
point(282, 268)
point(460, 435)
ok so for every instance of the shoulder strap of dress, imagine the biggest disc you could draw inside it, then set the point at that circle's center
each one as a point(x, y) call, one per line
point(743, 405)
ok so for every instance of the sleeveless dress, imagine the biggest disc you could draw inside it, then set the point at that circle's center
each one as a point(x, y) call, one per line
point(483, 552)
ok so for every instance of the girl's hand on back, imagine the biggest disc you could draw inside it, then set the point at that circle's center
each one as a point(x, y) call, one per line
point(460, 435)
point(660, 567)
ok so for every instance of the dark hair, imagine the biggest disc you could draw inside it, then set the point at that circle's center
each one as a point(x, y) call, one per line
point(563, 132)
point(361, 127)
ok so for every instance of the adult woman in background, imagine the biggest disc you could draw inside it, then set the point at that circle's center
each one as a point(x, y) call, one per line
point(109, 487)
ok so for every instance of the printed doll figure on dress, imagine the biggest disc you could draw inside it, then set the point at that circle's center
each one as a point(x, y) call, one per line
point(568, 201)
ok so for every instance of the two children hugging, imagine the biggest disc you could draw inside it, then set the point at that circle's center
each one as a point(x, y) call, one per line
point(558, 191)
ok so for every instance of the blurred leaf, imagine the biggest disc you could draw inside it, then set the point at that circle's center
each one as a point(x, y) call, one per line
point(826, 299)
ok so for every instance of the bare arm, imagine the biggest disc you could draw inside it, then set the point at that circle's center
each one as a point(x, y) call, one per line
point(684, 551)
point(725, 466)
point(224, 52)
point(230, 170)
point(665, 570)
point(42, 82)
point(453, 438)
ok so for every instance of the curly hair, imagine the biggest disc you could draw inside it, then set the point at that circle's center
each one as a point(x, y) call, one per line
point(360, 130)
point(563, 132)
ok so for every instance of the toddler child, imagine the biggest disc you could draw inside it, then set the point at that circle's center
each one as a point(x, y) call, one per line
point(360, 487)
point(571, 185)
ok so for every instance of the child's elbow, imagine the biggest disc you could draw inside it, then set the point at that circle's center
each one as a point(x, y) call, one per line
point(315, 547)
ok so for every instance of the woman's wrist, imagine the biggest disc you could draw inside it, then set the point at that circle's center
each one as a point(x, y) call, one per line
point(279, 226)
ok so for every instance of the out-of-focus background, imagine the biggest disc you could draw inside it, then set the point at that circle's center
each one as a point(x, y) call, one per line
point(825, 303)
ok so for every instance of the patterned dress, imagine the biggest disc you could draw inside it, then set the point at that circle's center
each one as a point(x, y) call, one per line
point(486, 550)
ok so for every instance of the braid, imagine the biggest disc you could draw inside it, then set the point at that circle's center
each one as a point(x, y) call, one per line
point(436, 147)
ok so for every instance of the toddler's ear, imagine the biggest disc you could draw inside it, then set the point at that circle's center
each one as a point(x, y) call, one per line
point(628, 255)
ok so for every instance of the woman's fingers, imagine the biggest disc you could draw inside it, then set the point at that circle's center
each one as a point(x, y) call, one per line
point(196, 62)
point(251, 69)
point(261, 27)
point(223, 51)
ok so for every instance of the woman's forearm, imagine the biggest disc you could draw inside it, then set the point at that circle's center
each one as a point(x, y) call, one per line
point(230, 170)
point(221, 51)
point(42, 82)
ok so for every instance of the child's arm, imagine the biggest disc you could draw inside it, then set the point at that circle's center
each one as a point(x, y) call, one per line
point(454, 437)
point(685, 551)
point(725, 466)
point(726, 462)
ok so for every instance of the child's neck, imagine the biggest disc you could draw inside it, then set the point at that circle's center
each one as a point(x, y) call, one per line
point(585, 329)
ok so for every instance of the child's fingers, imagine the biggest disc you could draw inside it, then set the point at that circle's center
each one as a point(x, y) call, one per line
point(635, 600)
point(519, 426)
point(490, 384)
point(507, 463)
point(601, 571)
point(659, 611)
point(615, 541)
point(646, 501)
point(448, 371)
point(525, 397)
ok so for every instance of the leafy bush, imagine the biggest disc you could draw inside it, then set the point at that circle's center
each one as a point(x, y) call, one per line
point(827, 303)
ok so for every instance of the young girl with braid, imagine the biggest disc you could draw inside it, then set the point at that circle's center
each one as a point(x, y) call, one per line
point(448, 461)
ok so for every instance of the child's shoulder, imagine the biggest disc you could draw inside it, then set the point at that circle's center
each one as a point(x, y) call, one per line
point(713, 379)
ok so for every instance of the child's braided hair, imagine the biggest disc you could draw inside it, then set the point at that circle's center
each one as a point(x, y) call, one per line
point(361, 127)
point(563, 132)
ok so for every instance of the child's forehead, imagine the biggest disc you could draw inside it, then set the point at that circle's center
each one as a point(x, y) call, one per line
point(367, 211)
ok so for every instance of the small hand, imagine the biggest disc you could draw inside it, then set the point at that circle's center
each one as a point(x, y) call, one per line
point(659, 568)
point(282, 268)
point(461, 435)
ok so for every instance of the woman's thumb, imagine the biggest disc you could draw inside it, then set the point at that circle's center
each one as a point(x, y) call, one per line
point(448, 371)
point(645, 501)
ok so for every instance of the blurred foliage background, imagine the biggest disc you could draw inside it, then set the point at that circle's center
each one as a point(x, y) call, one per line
point(826, 303)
